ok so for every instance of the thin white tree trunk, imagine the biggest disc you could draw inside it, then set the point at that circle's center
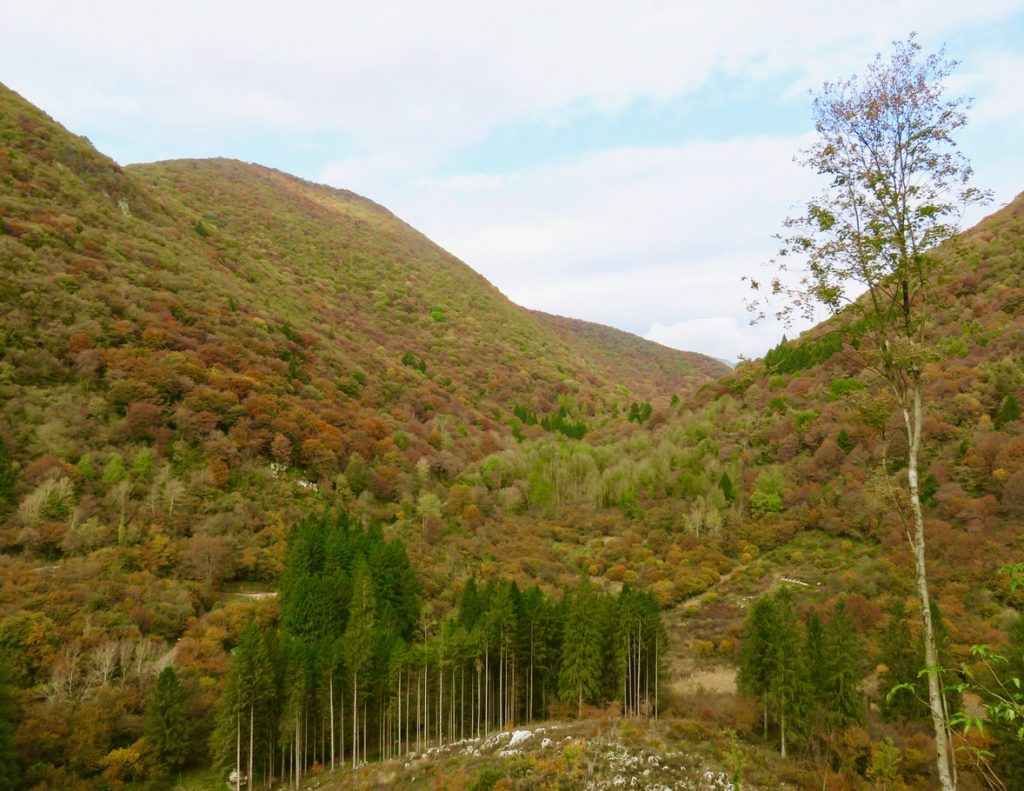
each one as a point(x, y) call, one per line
point(238, 749)
point(252, 720)
point(782, 726)
point(912, 421)
point(355, 720)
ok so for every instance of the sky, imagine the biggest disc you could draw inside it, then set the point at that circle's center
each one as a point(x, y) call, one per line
point(621, 162)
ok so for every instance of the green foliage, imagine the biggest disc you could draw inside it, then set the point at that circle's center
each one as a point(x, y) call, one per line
point(9, 770)
point(929, 488)
point(86, 468)
point(844, 441)
point(843, 387)
point(901, 661)
point(767, 497)
point(884, 769)
point(788, 357)
point(166, 724)
point(842, 652)
point(142, 464)
point(412, 361)
point(200, 229)
point(114, 471)
point(580, 675)
point(728, 487)
point(757, 648)
point(1008, 412)
point(527, 416)
point(561, 423)
point(639, 413)
point(803, 417)
point(7, 477)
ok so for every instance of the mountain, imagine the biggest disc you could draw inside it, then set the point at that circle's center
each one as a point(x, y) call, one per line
point(197, 354)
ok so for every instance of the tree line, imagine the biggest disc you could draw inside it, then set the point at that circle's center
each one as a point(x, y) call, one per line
point(354, 671)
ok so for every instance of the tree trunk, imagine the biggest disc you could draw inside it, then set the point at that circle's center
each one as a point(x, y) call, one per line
point(782, 727)
point(238, 749)
point(912, 420)
point(355, 720)
point(252, 720)
point(331, 694)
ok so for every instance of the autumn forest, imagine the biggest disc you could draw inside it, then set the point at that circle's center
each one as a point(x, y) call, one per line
point(290, 496)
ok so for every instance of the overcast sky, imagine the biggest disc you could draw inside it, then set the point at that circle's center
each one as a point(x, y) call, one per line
point(624, 163)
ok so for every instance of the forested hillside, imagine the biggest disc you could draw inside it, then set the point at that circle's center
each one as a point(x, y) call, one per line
point(276, 467)
point(197, 354)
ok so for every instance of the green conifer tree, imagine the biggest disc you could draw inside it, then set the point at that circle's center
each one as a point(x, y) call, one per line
point(582, 665)
point(166, 725)
point(817, 662)
point(787, 688)
point(902, 665)
point(358, 642)
point(756, 651)
point(845, 703)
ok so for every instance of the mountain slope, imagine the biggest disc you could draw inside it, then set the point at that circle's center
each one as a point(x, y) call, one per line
point(194, 353)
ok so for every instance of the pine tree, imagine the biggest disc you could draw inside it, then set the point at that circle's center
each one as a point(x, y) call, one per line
point(166, 724)
point(756, 653)
point(842, 691)
point(817, 662)
point(245, 706)
point(358, 644)
point(9, 772)
point(787, 688)
point(579, 679)
point(727, 486)
point(901, 661)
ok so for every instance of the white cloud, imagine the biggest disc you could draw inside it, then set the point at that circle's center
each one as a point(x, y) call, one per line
point(628, 237)
point(724, 337)
point(438, 74)
point(646, 238)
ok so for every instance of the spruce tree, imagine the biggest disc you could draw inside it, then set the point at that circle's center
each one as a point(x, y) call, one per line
point(358, 642)
point(901, 661)
point(817, 662)
point(842, 689)
point(245, 706)
point(166, 724)
point(757, 652)
point(579, 678)
point(787, 688)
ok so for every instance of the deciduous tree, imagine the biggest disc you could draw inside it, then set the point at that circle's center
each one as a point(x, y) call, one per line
point(896, 188)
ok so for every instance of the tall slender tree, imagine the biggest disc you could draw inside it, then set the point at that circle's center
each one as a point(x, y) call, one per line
point(166, 724)
point(842, 688)
point(582, 665)
point(787, 684)
point(757, 652)
point(865, 247)
point(358, 644)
